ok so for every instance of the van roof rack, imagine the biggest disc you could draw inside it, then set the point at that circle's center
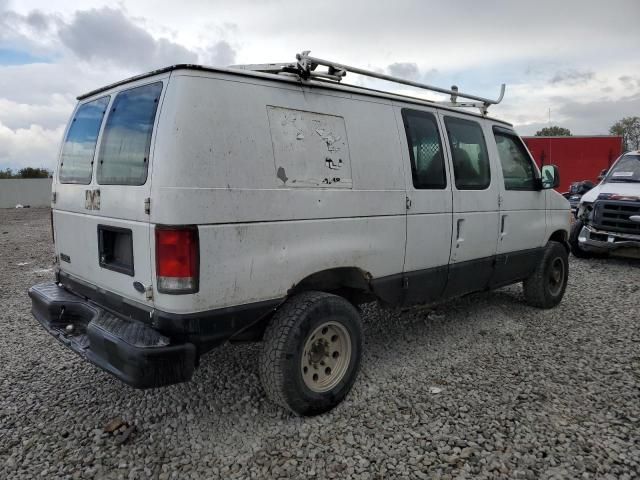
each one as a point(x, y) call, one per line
point(305, 68)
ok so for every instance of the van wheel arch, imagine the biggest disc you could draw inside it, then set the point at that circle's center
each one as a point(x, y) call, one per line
point(562, 238)
point(350, 283)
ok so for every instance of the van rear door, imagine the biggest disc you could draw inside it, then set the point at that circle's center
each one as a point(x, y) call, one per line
point(102, 187)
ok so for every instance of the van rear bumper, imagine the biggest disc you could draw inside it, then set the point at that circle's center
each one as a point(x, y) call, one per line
point(130, 350)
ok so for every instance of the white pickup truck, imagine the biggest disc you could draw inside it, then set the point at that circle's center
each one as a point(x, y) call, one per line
point(608, 217)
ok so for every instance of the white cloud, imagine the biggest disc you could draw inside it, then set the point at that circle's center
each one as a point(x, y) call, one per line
point(586, 108)
point(580, 61)
point(29, 147)
point(54, 113)
point(572, 77)
point(88, 49)
point(106, 35)
point(219, 54)
point(408, 70)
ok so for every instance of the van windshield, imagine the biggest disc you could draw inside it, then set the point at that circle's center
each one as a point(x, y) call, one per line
point(76, 162)
point(124, 149)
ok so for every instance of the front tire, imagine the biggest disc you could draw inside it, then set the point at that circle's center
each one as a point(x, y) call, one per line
point(545, 287)
point(311, 352)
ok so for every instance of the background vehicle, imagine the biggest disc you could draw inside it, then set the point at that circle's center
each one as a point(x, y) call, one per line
point(195, 206)
point(575, 193)
point(608, 219)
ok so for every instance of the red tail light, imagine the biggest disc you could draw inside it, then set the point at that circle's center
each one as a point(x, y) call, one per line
point(177, 259)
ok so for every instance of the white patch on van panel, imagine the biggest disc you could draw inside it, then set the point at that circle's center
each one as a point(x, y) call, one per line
point(309, 149)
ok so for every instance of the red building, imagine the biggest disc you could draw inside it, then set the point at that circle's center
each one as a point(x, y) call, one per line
point(578, 157)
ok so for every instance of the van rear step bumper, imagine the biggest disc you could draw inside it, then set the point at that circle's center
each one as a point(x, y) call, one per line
point(128, 349)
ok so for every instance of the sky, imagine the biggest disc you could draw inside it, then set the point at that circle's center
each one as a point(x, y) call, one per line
point(573, 62)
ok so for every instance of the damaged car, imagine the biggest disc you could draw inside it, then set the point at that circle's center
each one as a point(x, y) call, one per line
point(608, 218)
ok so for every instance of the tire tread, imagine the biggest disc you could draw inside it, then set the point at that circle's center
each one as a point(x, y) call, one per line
point(534, 287)
point(273, 353)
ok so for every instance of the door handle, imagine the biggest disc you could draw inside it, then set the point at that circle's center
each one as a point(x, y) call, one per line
point(503, 226)
point(459, 238)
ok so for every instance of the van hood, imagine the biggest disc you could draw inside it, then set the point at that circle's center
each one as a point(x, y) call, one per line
point(631, 190)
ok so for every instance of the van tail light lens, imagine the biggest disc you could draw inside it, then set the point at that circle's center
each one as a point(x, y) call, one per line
point(177, 259)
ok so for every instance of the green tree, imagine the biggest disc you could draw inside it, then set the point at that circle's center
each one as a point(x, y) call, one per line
point(30, 172)
point(6, 173)
point(554, 131)
point(629, 129)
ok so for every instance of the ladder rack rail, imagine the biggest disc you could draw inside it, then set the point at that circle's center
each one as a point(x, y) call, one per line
point(305, 68)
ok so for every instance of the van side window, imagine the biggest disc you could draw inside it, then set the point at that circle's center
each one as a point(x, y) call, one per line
point(469, 154)
point(124, 149)
point(76, 161)
point(425, 149)
point(517, 167)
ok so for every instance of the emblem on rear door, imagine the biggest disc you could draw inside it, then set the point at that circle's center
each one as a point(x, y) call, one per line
point(92, 199)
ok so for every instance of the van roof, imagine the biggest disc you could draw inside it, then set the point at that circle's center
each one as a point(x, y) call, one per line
point(288, 79)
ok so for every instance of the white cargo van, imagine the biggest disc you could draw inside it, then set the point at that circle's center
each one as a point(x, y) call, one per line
point(194, 206)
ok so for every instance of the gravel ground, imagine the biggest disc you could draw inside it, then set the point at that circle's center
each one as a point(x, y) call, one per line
point(481, 387)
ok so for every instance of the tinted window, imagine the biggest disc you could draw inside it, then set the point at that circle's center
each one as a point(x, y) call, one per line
point(76, 162)
point(469, 154)
point(517, 167)
point(425, 149)
point(124, 149)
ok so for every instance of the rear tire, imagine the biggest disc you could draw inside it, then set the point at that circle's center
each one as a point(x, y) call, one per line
point(311, 353)
point(575, 244)
point(547, 284)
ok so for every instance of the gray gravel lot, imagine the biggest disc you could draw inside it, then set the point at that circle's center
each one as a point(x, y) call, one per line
point(481, 387)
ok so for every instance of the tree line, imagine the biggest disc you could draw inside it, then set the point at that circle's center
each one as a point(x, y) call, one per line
point(628, 128)
point(27, 172)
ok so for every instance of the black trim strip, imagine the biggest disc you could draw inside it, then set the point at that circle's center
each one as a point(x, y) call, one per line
point(204, 329)
point(410, 288)
point(514, 267)
point(244, 322)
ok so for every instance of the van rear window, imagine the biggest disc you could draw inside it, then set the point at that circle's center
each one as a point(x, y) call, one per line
point(124, 149)
point(76, 162)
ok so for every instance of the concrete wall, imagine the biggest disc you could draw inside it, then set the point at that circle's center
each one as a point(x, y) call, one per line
point(35, 192)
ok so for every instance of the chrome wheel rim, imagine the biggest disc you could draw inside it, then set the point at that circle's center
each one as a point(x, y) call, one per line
point(556, 276)
point(326, 357)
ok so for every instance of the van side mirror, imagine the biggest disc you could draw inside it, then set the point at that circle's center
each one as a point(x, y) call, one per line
point(550, 177)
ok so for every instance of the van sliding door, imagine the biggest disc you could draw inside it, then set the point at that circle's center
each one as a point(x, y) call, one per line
point(429, 205)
